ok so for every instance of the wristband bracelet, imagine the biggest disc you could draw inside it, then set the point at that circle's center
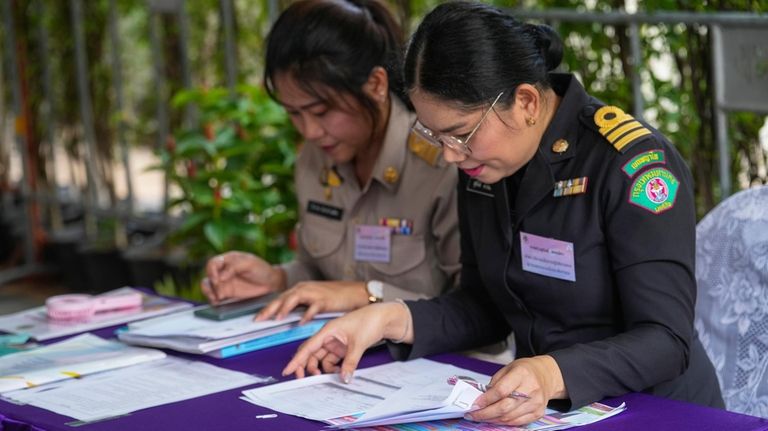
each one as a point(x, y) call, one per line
point(407, 323)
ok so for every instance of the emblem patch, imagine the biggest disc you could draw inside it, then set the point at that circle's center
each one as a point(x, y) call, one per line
point(480, 188)
point(642, 160)
point(655, 190)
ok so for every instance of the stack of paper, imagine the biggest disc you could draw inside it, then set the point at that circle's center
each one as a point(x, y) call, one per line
point(325, 397)
point(75, 357)
point(186, 332)
point(129, 389)
point(35, 322)
point(400, 393)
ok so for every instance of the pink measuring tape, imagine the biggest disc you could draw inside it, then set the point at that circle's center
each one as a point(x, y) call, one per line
point(81, 307)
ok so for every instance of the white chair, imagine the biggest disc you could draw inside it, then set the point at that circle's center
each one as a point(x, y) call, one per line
point(732, 305)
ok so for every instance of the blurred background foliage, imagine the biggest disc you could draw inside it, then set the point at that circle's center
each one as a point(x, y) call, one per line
point(235, 175)
point(676, 88)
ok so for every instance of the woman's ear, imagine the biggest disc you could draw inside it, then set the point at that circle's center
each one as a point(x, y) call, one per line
point(377, 85)
point(528, 98)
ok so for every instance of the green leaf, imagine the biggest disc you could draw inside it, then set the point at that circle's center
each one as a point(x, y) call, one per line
point(216, 234)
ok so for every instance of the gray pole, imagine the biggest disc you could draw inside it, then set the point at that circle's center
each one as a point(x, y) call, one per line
point(160, 90)
point(721, 119)
point(50, 120)
point(230, 53)
point(21, 140)
point(273, 10)
point(86, 112)
point(117, 82)
point(190, 111)
point(638, 105)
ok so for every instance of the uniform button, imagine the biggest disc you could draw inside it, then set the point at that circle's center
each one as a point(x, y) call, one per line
point(348, 271)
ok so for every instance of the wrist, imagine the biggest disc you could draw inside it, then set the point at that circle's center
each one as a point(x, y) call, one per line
point(399, 324)
point(555, 383)
point(278, 279)
point(361, 294)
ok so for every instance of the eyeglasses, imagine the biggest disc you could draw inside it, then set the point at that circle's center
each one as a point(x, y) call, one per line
point(453, 142)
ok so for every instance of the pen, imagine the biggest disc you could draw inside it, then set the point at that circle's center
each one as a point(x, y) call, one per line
point(483, 387)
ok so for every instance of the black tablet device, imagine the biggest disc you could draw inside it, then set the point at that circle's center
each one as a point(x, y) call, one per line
point(230, 310)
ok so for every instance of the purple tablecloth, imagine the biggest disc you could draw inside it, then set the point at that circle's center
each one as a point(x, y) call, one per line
point(224, 411)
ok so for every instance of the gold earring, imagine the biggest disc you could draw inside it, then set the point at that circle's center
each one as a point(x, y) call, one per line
point(530, 121)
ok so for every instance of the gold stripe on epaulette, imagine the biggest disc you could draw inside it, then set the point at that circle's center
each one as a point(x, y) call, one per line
point(621, 143)
point(618, 127)
point(621, 130)
point(423, 149)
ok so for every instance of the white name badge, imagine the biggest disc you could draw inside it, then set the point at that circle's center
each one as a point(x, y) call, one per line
point(547, 256)
point(372, 243)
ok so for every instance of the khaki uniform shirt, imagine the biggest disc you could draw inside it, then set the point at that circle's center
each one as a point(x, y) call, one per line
point(410, 182)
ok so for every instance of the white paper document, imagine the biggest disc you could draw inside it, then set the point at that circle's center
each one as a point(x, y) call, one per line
point(325, 397)
point(35, 321)
point(419, 404)
point(400, 393)
point(126, 390)
point(75, 357)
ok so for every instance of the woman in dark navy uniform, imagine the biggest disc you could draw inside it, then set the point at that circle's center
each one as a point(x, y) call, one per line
point(577, 231)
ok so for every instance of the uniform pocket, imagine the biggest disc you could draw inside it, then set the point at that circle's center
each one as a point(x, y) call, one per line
point(322, 237)
point(407, 253)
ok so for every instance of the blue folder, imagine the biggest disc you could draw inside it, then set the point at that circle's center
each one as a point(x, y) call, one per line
point(292, 334)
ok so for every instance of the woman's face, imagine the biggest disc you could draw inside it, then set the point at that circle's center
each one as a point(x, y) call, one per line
point(341, 130)
point(498, 148)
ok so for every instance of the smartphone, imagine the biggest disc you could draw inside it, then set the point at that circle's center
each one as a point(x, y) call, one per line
point(230, 310)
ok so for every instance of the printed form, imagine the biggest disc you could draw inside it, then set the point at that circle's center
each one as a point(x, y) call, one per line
point(326, 397)
point(126, 390)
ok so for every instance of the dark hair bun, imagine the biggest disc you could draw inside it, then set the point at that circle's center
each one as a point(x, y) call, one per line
point(549, 43)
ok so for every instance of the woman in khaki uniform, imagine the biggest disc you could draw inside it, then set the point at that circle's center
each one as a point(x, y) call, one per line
point(378, 218)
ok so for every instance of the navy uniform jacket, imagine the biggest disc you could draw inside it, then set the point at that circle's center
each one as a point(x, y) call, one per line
point(625, 322)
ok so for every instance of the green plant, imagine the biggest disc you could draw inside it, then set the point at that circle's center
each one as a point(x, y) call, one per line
point(234, 175)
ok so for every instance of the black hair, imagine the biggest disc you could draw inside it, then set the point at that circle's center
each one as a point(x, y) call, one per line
point(468, 53)
point(334, 45)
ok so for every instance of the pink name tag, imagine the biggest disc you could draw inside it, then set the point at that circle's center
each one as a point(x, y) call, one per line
point(547, 256)
point(372, 243)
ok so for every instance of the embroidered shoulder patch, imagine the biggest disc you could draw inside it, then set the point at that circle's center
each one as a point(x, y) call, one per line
point(618, 127)
point(423, 149)
point(642, 160)
point(655, 190)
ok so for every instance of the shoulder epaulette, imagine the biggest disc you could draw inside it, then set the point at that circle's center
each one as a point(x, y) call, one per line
point(618, 127)
point(423, 149)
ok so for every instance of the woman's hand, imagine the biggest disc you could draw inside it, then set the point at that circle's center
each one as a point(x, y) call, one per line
point(238, 275)
point(319, 297)
point(538, 377)
point(341, 343)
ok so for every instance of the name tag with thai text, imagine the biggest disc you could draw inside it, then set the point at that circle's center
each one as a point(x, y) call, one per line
point(547, 256)
point(373, 243)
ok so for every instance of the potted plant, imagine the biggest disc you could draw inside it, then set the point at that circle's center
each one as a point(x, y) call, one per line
point(231, 180)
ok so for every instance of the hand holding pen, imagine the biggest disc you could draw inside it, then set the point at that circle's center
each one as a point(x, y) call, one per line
point(482, 387)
